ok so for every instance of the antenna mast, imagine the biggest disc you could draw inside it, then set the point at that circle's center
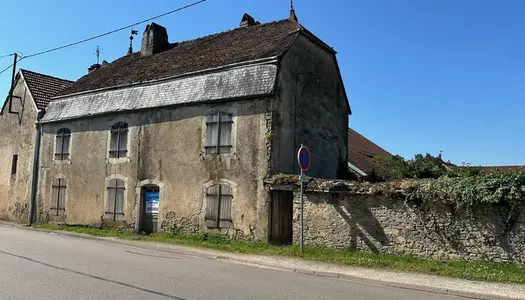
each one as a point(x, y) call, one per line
point(97, 53)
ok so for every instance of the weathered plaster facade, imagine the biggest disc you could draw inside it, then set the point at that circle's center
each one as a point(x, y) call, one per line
point(18, 132)
point(312, 110)
point(165, 149)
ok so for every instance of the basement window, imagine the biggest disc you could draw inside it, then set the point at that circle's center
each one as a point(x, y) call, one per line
point(219, 206)
point(118, 147)
point(219, 133)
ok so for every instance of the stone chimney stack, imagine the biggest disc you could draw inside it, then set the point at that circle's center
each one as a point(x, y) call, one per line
point(154, 39)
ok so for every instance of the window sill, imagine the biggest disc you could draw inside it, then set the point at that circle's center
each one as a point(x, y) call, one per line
point(214, 155)
point(119, 160)
point(62, 162)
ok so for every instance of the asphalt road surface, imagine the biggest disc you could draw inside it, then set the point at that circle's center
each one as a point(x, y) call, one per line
point(37, 265)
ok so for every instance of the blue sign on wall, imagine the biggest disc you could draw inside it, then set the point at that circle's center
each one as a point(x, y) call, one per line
point(152, 202)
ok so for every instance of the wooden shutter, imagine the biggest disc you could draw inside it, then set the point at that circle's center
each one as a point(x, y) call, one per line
point(219, 204)
point(119, 200)
point(225, 141)
point(212, 207)
point(225, 206)
point(212, 131)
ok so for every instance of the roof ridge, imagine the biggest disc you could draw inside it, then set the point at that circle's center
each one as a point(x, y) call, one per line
point(46, 75)
point(300, 27)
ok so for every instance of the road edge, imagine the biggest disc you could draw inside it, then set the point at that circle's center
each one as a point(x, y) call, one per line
point(227, 257)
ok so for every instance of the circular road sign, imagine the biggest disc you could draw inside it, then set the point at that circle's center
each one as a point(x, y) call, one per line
point(304, 158)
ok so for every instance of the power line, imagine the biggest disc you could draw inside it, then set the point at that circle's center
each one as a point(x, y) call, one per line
point(3, 70)
point(6, 69)
point(7, 55)
point(113, 31)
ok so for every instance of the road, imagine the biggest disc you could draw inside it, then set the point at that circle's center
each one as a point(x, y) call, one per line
point(38, 265)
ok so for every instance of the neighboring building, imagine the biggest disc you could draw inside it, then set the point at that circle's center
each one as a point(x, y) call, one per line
point(180, 136)
point(361, 154)
point(18, 117)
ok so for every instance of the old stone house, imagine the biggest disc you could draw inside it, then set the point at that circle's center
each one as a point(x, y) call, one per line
point(180, 136)
point(30, 95)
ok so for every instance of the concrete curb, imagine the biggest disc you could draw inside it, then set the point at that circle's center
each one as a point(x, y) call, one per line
point(226, 257)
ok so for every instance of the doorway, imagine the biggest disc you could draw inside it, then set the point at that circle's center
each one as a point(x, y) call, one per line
point(281, 218)
point(150, 209)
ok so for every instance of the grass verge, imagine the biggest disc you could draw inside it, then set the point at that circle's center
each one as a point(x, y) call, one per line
point(473, 270)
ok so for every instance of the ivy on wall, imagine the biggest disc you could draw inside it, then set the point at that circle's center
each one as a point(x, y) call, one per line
point(464, 193)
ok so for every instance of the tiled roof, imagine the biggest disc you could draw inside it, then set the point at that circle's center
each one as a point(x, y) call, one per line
point(233, 46)
point(43, 87)
point(361, 151)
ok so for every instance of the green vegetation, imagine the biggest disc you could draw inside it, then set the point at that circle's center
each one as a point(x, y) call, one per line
point(496, 272)
point(422, 167)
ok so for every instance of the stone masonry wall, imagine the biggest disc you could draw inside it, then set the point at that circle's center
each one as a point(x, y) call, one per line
point(386, 224)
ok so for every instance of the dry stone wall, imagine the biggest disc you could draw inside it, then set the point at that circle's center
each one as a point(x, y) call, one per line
point(368, 221)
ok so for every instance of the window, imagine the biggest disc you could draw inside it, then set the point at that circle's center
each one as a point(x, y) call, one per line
point(115, 202)
point(62, 144)
point(219, 206)
point(13, 164)
point(119, 140)
point(58, 197)
point(219, 133)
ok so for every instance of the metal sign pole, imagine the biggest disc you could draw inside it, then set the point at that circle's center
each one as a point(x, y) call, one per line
point(304, 160)
point(302, 209)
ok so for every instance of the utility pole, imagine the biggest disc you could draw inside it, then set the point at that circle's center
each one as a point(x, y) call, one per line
point(12, 84)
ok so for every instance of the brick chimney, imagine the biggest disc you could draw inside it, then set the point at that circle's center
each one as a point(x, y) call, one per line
point(154, 39)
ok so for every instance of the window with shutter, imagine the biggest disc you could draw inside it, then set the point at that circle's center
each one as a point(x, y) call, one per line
point(219, 133)
point(118, 146)
point(115, 200)
point(58, 197)
point(219, 205)
point(62, 144)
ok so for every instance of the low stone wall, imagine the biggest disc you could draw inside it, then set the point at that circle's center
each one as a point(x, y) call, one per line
point(365, 220)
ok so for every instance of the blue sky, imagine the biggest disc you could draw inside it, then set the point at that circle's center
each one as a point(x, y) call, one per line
point(421, 75)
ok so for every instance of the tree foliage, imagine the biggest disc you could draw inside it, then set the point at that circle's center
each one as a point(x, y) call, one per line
point(422, 167)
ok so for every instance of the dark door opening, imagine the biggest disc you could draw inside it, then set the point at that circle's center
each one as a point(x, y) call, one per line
point(150, 211)
point(281, 214)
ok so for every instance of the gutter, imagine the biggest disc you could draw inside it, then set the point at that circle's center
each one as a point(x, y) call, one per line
point(36, 163)
point(356, 169)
